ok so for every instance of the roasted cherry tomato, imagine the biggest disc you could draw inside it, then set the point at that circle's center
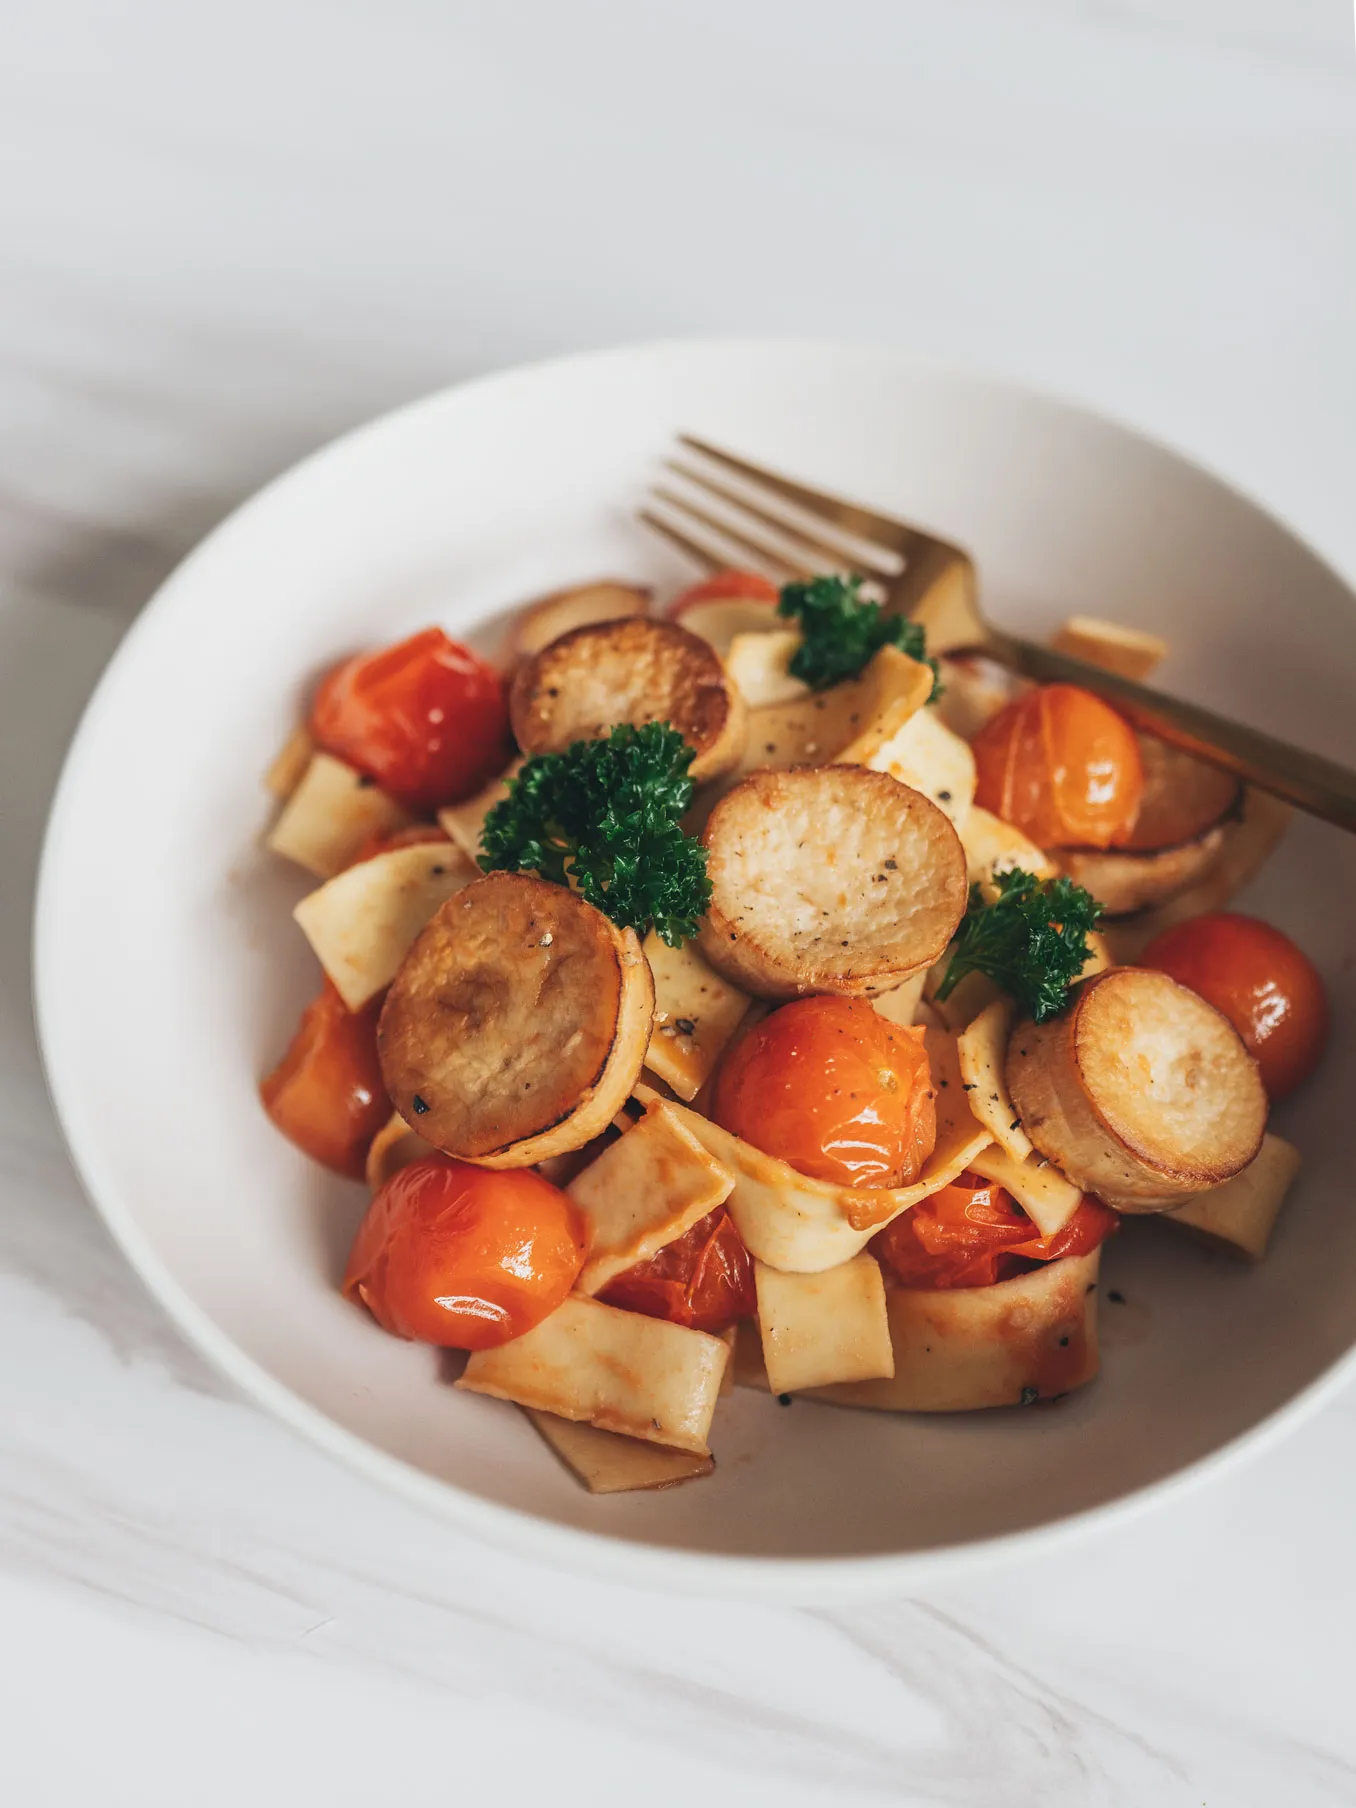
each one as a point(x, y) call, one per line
point(972, 1234)
point(326, 1094)
point(832, 1088)
point(727, 587)
point(703, 1279)
point(1062, 766)
point(465, 1257)
point(1268, 989)
point(427, 719)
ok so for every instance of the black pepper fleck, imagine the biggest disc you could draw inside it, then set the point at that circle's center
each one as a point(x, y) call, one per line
point(1116, 1297)
point(783, 1399)
point(438, 871)
point(1029, 1396)
point(1064, 1343)
point(943, 797)
point(420, 1106)
point(365, 781)
point(687, 1026)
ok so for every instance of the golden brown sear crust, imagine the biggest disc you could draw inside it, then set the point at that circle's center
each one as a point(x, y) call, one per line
point(1140, 1092)
point(1183, 798)
point(588, 681)
point(1124, 881)
point(517, 1024)
point(580, 606)
point(829, 879)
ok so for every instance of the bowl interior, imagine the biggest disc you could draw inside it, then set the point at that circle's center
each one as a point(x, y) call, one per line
point(170, 972)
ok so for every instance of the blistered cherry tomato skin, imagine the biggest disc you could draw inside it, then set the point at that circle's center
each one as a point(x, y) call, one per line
point(426, 719)
point(1268, 988)
point(828, 1085)
point(465, 1257)
point(703, 1279)
point(726, 587)
point(326, 1094)
point(1062, 766)
point(973, 1234)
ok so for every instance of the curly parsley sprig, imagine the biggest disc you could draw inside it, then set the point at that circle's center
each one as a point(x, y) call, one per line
point(1032, 940)
point(605, 815)
point(843, 630)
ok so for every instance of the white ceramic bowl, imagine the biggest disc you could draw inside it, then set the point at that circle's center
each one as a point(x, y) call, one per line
point(169, 972)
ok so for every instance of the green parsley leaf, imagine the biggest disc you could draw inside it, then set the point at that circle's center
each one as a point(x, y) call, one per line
point(605, 815)
point(1032, 940)
point(843, 630)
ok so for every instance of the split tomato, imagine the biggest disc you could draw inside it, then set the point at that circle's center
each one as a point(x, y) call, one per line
point(427, 719)
point(972, 1234)
point(326, 1094)
point(703, 1279)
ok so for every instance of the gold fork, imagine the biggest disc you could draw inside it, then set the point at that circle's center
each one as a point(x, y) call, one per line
point(775, 521)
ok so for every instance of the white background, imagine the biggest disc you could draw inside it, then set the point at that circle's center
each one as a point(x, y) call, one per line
point(226, 232)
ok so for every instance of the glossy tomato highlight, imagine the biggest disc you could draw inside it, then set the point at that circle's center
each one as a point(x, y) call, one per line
point(703, 1279)
point(465, 1257)
point(973, 1234)
point(427, 719)
point(326, 1094)
point(1268, 988)
point(1062, 766)
point(829, 1086)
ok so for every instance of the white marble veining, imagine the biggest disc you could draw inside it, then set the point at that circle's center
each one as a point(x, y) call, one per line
point(226, 233)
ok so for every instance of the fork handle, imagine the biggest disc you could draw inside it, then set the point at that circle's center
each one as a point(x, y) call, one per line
point(1311, 783)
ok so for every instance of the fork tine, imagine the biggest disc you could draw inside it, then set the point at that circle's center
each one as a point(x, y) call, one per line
point(838, 557)
point(748, 541)
point(708, 560)
point(864, 523)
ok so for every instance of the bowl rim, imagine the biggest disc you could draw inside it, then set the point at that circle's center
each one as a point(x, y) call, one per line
point(804, 1580)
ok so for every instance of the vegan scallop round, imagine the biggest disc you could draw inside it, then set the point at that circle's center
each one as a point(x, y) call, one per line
point(592, 679)
point(829, 879)
point(1140, 1091)
point(518, 1023)
point(581, 606)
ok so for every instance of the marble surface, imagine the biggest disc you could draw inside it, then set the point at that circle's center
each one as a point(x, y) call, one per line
point(228, 232)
